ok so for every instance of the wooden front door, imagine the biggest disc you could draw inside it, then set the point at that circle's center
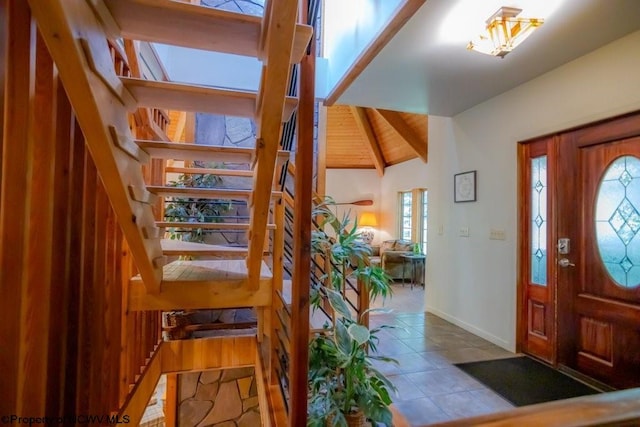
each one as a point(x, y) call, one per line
point(585, 315)
point(599, 277)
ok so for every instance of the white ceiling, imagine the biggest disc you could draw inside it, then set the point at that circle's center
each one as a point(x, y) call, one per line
point(423, 69)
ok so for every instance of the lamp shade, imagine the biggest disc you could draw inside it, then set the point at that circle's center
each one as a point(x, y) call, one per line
point(368, 219)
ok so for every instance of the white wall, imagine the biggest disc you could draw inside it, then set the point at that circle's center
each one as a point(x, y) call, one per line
point(471, 281)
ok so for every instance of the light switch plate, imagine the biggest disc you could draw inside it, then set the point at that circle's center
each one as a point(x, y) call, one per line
point(495, 234)
point(463, 232)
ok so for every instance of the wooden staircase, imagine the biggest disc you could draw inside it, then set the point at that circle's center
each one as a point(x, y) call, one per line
point(76, 33)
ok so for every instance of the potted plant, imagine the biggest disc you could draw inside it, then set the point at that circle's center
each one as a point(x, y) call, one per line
point(344, 386)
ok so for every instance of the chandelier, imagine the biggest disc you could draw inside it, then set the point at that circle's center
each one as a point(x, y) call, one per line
point(504, 32)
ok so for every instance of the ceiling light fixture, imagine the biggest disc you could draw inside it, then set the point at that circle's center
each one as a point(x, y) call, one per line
point(504, 32)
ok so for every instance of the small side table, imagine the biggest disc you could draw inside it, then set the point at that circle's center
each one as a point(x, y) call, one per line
point(415, 261)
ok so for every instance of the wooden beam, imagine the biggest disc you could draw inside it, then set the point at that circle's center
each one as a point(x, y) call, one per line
point(279, 24)
point(208, 353)
point(369, 136)
point(139, 397)
point(395, 120)
point(303, 191)
point(400, 17)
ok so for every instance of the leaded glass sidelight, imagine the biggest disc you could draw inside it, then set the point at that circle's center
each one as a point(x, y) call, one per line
point(618, 221)
point(538, 220)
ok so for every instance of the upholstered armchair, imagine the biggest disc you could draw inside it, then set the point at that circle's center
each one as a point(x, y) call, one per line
point(389, 257)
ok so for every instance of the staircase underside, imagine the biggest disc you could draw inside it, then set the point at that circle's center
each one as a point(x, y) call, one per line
point(203, 284)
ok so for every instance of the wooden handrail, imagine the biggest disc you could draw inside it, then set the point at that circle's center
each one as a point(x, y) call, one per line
point(618, 408)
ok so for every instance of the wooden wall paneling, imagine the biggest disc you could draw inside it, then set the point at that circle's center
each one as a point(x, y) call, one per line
point(345, 145)
point(394, 149)
point(124, 275)
point(97, 311)
point(86, 303)
point(37, 258)
point(397, 122)
point(77, 172)
point(112, 312)
point(13, 205)
point(60, 268)
point(4, 37)
point(60, 22)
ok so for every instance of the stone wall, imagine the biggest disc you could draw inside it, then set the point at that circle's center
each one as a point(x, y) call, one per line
point(218, 398)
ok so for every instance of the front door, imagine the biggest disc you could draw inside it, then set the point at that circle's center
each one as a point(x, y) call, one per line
point(580, 250)
point(599, 276)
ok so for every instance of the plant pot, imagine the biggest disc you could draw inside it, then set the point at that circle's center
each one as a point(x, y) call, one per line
point(356, 419)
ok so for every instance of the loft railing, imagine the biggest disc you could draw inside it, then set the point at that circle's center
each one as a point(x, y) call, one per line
point(153, 122)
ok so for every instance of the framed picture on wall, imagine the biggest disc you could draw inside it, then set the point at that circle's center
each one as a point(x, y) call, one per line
point(464, 187)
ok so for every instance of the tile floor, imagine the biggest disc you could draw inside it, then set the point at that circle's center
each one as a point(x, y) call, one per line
point(430, 388)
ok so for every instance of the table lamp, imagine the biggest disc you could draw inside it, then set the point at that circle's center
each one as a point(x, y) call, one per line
point(367, 223)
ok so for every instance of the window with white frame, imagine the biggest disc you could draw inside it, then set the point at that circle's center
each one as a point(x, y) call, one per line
point(412, 216)
point(405, 214)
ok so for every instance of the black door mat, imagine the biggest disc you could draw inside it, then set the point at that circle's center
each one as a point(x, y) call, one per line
point(524, 381)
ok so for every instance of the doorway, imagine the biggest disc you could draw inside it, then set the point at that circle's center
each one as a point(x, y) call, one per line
point(579, 276)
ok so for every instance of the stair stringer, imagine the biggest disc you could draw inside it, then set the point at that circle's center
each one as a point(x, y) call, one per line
point(78, 45)
point(279, 24)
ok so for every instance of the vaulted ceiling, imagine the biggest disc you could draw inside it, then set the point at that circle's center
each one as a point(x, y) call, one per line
point(369, 138)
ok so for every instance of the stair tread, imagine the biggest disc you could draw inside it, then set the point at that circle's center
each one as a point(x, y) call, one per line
point(211, 153)
point(208, 272)
point(205, 193)
point(179, 247)
point(210, 284)
point(197, 98)
point(202, 193)
point(210, 225)
point(198, 27)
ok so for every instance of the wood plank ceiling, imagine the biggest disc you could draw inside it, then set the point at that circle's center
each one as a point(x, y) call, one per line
point(368, 138)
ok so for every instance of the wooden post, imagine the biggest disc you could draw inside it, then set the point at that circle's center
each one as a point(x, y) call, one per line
point(302, 243)
point(363, 302)
point(278, 272)
point(171, 401)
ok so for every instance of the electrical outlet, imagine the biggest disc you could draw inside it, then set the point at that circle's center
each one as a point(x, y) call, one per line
point(463, 231)
point(440, 230)
point(495, 234)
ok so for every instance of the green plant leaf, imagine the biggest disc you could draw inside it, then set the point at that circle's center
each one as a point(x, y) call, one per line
point(337, 303)
point(359, 333)
point(343, 339)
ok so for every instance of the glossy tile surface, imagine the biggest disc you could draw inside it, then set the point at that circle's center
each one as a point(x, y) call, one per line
point(430, 388)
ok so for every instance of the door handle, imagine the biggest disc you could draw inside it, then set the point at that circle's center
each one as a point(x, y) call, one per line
point(564, 262)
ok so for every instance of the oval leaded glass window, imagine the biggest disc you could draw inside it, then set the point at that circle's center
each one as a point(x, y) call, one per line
point(618, 221)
